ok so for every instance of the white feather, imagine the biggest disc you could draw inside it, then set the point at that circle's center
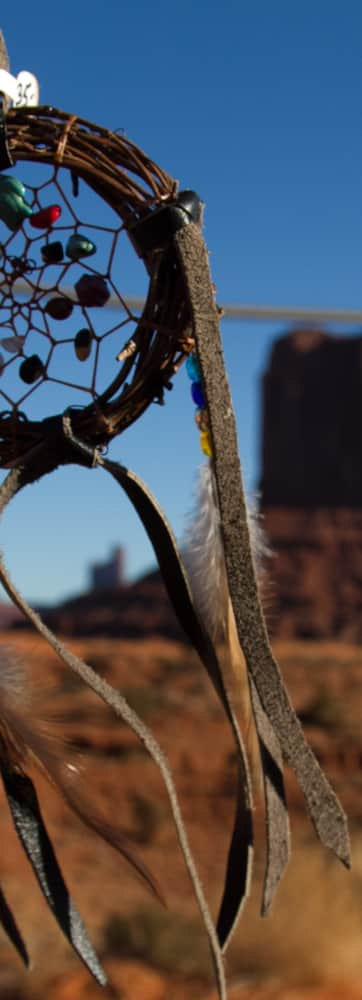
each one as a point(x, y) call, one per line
point(203, 553)
point(204, 561)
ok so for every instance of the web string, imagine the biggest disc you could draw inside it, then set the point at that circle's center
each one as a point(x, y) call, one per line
point(29, 329)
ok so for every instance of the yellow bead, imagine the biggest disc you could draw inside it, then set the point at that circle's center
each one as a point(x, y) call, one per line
point(205, 443)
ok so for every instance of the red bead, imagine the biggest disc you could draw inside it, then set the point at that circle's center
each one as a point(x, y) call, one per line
point(46, 218)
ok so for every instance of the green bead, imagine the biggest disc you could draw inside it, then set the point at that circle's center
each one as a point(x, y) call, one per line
point(13, 208)
point(79, 246)
point(11, 185)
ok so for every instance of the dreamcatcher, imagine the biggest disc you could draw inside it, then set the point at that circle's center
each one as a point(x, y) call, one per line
point(59, 337)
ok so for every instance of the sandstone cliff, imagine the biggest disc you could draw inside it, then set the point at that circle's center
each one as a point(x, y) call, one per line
point(311, 484)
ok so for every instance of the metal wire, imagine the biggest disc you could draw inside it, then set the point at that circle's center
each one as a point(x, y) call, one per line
point(304, 314)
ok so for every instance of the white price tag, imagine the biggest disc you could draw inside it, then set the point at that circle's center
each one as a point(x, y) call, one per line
point(22, 89)
point(27, 90)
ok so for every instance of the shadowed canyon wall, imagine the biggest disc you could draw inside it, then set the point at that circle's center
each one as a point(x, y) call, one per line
point(311, 484)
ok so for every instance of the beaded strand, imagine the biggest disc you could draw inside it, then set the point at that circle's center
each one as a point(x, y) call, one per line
point(198, 396)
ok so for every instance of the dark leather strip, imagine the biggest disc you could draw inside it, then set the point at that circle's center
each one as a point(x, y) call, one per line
point(324, 808)
point(6, 160)
point(239, 866)
point(29, 825)
point(238, 871)
point(16, 480)
point(276, 809)
point(11, 929)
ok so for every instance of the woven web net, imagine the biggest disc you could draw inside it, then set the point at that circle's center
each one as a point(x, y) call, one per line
point(56, 283)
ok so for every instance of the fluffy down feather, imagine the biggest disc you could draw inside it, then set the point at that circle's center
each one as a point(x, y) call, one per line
point(27, 738)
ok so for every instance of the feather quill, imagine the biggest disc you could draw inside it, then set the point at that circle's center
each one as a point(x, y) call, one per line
point(205, 563)
point(203, 555)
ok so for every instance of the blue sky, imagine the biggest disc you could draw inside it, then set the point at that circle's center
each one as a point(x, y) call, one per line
point(257, 106)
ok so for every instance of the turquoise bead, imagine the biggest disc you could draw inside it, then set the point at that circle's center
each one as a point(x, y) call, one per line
point(11, 185)
point(79, 246)
point(193, 368)
point(13, 208)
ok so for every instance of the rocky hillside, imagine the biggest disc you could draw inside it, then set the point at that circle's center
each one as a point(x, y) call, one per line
point(309, 948)
point(131, 611)
point(314, 590)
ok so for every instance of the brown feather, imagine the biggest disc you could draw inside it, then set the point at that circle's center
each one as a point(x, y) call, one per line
point(26, 738)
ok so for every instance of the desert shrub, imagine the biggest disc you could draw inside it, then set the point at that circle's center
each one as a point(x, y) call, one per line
point(325, 710)
point(314, 931)
point(169, 943)
point(171, 666)
point(147, 814)
point(146, 701)
point(68, 681)
point(99, 661)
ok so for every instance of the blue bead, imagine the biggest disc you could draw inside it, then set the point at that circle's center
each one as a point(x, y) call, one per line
point(197, 394)
point(193, 368)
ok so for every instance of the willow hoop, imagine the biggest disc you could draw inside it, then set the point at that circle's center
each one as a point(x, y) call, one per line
point(150, 209)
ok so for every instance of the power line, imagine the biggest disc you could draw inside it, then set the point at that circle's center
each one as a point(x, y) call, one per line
point(294, 314)
point(242, 312)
